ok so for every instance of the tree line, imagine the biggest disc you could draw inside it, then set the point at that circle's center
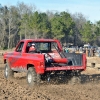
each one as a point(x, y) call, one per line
point(24, 21)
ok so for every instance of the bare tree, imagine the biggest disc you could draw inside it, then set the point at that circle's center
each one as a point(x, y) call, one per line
point(25, 11)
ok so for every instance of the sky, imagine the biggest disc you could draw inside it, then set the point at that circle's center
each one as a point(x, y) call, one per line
point(89, 8)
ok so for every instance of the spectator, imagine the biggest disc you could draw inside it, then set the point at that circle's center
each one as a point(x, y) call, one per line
point(87, 52)
point(80, 50)
point(66, 50)
point(99, 52)
point(91, 52)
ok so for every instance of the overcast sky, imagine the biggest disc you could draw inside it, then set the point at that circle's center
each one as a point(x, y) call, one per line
point(89, 8)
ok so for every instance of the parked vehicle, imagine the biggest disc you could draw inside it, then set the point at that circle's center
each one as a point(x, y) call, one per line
point(49, 59)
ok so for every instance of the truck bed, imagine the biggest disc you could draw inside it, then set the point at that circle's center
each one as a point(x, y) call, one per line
point(76, 62)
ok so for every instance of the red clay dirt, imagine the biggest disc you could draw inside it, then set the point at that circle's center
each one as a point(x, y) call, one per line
point(17, 88)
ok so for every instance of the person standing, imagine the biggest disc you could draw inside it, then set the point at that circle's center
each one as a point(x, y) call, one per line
point(87, 52)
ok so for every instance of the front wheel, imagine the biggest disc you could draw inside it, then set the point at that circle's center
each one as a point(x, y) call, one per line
point(8, 72)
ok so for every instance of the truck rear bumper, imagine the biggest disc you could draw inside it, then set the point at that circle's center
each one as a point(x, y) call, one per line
point(65, 68)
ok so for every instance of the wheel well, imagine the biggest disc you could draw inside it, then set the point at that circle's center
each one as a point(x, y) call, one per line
point(5, 61)
point(29, 65)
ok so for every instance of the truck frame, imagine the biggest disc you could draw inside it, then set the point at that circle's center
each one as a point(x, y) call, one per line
point(47, 60)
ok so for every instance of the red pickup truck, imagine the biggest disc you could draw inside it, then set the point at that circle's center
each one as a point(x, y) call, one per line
point(48, 59)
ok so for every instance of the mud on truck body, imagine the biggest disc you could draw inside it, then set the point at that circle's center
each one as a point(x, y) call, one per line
point(48, 60)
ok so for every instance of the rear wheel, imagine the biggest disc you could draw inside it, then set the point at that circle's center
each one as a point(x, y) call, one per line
point(8, 72)
point(75, 80)
point(32, 77)
point(38, 79)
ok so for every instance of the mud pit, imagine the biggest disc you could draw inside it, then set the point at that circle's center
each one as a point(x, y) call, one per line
point(17, 89)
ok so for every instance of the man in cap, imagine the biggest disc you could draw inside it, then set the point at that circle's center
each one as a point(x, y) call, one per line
point(32, 48)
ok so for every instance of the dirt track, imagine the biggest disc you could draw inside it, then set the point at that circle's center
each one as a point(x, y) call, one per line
point(17, 89)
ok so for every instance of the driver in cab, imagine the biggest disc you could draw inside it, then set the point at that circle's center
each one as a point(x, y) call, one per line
point(32, 48)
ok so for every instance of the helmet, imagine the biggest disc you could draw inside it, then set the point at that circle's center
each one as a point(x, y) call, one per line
point(33, 44)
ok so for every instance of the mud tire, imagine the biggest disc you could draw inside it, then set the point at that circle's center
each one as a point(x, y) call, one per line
point(75, 80)
point(38, 79)
point(8, 72)
point(31, 77)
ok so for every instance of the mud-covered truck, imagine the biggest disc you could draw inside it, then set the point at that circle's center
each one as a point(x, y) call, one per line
point(48, 60)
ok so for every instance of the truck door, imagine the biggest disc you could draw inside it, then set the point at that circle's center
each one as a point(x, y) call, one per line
point(16, 59)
